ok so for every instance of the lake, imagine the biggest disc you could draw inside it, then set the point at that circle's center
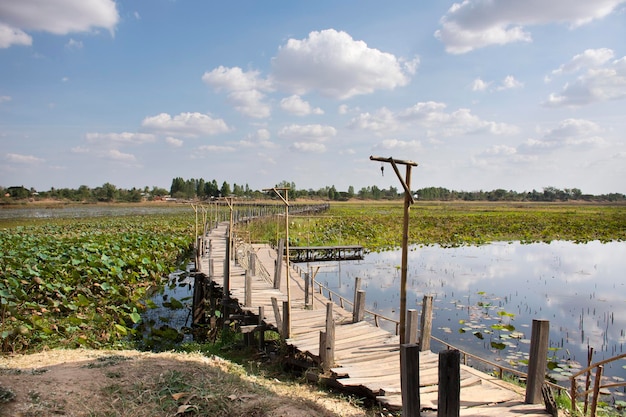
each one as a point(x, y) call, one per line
point(579, 288)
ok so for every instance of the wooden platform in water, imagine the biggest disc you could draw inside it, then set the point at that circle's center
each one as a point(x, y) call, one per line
point(367, 358)
point(325, 253)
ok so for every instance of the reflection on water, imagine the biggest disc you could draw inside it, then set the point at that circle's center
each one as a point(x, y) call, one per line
point(87, 210)
point(579, 288)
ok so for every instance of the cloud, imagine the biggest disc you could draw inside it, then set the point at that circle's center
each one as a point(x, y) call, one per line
point(121, 138)
point(313, 132)
point(295, 105)
point(335, 65)
point(308, 147)
point(185, 124)
point(383, 120)
point(74, 44)
point(479, 85)
point(260, 139)
point(216, 148)
point(509, 83)
point(5, 99)
point(23, 159)
point(570, 133)
point(245, 89)
point(474, 24)
point(590, 58)
point(118, 156)
point(459, 122)
point(395, 144)
point(602, 80)
point(176, 143)
point(56, 17)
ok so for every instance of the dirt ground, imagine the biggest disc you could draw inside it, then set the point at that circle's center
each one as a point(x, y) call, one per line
point(141, 384)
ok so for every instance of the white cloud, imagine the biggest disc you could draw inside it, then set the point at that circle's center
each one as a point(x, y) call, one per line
point(382, 120)
point(309, 147)
point(250, 103)
point(569, 133)
point(260, 139)
point(185, 124)
point(12, 36)
point(58, 17)
point(334, 64)
point(459, 122)
point(23, 159)
point(245, 89)
point(509, 83)
point(313, 132)
point(295, 105)
point(597, 84)
point(124, 137)
point(479, 85)
point(172, 141)
point(393, 144)
point(5, 99)
point(116, 155)
point(216, 148)
point(590, 58)
point(74, 44)
point(474, 24)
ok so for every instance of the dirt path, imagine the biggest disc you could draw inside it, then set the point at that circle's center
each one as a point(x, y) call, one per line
point(140, 384)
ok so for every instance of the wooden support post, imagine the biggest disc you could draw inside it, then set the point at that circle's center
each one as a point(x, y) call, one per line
point(277, 317)
point(307, 290)
point(199, 254)
point(248, 289)
point(329, 354)
point(286, 320)
point(262, 328)
point(426, 323)
point(252, 263)
point(596, 390)
point(359, 307)
point(410, 380)
point(538, 358)
point(357, 287)
point(279, 264)
point(449, 394)
point(322, 348)
point(199, 299)
point(411, 326)
point(211, 269)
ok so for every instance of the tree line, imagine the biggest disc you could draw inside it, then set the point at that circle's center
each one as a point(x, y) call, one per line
point(200, 189)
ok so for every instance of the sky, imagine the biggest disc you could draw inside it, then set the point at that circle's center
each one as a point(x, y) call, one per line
point(481, 94)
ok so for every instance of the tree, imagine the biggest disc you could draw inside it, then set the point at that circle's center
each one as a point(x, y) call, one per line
point(225, 190)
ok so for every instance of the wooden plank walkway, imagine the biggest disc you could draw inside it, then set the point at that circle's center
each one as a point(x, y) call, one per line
point(366, 357)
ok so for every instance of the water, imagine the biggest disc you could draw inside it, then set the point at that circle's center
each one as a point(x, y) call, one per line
point(88, 210)
point(579, 288)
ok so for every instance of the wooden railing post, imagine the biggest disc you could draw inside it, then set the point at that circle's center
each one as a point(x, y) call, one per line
point(538, 358)
point(329, 345)
point(277, 317)
point(199, 254)
point(357, 288)
point(279, 263)
point(426, 323)
point(286, 320)
point(211, 269)
point(410, 380)
point(449, 393)
point(411, 326)
point(199, 298)
point(262, 329)
point(307, 290)
point(252, 262)
point(359, 307)
point(248, 289)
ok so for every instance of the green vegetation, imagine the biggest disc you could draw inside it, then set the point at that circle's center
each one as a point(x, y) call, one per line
point(82, 282)
point(378, 226)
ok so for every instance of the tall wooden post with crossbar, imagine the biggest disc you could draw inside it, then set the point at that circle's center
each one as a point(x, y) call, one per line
point(408, 200)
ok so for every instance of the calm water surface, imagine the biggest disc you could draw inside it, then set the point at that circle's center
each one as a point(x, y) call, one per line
point(579, 288)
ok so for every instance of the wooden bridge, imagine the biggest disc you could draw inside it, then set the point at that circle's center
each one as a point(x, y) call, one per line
point(325, 253)
point(366, 357)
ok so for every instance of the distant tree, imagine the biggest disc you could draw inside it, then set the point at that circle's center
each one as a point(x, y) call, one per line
point(225, 190)
point(350, 192)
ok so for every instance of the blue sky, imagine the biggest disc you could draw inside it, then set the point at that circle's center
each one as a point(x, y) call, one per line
point(482, 94)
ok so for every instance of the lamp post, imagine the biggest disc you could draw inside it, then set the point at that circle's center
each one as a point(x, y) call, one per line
point(408, 200)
